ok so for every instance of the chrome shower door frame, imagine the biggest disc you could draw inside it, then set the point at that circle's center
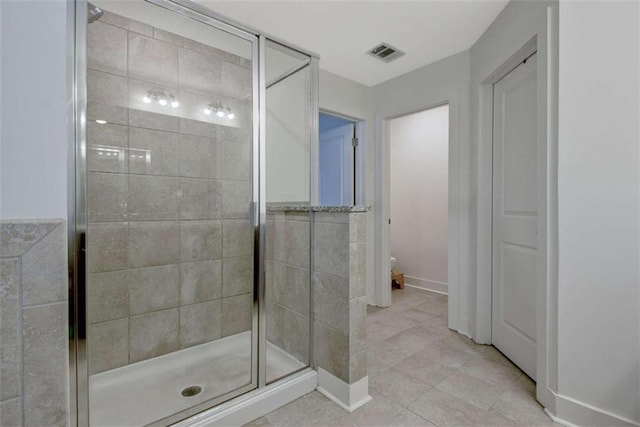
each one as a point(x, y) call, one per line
point(77, 216)
point(78, 224)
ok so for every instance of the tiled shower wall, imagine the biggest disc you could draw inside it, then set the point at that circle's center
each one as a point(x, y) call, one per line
point(34, 361)
point(169, 242)
point(287, 282)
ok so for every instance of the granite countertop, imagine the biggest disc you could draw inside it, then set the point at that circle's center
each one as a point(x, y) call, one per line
point(306, 208)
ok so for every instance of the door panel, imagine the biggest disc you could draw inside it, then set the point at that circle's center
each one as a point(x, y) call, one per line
point(515, 196)
point(336, 166)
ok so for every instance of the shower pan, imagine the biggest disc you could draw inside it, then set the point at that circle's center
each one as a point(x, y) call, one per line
point(189, 128)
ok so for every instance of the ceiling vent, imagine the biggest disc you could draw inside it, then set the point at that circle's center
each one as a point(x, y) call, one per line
point(385, 52)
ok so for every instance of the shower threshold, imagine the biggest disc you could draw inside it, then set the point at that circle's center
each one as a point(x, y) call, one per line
point(144, 392)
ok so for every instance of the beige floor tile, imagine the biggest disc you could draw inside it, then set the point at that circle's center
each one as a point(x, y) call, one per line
point(398, 386)
point(408, 340)
point(443, 409)
point(289, 414)
point(471, 389)
point(376, 412)
point(448, 354)
point(519, 407)
point(424, 369)
point(408, 419)
point(383, 355)
point(498, 373)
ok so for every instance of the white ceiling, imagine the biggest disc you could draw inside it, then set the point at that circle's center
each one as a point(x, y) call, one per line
point(342, 31)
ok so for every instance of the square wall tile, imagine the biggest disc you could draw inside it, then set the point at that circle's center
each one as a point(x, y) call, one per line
point(153, 198)
point(237, 238)
point(200, 281)
point(153, 335)
point(297, 248)
point(107, 245)
point(200, 323)
point(200, 198)
point(109, 345)
point(154, 288)
point(236, 81)
point(46, 364)
point(331, 249)
point(107, 48)
point(152, 60)
point(151, 120)
point(198, 157)
point(156, 152)
point(331, 351)
point(199, 128)
point(235, 134)
point(103, 139)
point(107, 195)
point(237, 276)
point(11, 349)
point(357, 269)
point(200, 240)
point(235, 161)
point(153, 243)
point(11, 412)
point(199, 72)
point(237, 313)
point(358, 227)
point(108, 295)
point(107, 97)
point(331, 301)
point(44, 269)
point(236, 199)
point(17, 238)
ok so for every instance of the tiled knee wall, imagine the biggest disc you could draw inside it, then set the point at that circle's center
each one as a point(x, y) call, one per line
point(34, 363)
point(287, 282)
point(339, 289)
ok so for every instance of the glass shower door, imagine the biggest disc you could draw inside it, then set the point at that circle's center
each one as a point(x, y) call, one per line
point(287, 183)
point(171, 308)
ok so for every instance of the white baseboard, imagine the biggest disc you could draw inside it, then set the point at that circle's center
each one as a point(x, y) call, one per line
point(430, 285)
point(257, 403)
point(571, 412)
point(348, 396)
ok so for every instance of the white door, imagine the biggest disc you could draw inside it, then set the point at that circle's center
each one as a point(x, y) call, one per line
point(336, 166)
point(515, 200)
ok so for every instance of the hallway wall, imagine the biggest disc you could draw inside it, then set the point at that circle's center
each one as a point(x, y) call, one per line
point(599, 213)
point(419, 145)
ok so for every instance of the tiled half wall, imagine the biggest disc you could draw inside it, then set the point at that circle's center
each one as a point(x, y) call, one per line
point(34, 362)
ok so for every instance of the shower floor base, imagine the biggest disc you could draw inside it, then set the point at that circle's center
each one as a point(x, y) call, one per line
point(144, 392)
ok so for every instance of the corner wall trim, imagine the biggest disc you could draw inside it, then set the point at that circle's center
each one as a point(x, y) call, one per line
point(571, 412)
point(348, 396)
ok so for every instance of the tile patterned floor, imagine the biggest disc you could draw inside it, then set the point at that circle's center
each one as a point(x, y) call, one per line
point(423, 374)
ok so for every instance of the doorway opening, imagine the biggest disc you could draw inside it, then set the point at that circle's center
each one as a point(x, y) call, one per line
point(419, 174)
point(338, 160)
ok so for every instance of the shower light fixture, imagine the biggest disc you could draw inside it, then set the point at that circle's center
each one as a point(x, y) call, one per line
point(161, 97)
point(220, 110)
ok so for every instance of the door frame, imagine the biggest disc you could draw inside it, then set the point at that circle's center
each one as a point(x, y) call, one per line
point(382, 209)
point(546, 284)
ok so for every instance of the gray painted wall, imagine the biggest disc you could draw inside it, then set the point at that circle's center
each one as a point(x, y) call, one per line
point(599, 207)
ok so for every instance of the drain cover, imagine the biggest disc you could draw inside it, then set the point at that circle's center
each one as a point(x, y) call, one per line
point(191, 391)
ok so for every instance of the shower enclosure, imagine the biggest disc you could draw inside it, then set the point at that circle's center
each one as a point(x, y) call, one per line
point(186, 292)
